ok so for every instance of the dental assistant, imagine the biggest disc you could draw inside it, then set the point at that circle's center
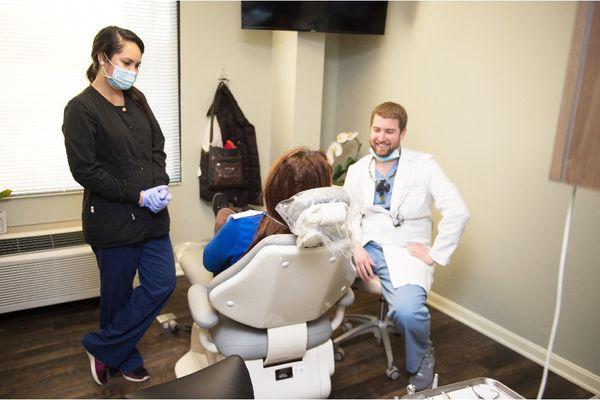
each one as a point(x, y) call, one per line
point(115, 150)
point(392, 190)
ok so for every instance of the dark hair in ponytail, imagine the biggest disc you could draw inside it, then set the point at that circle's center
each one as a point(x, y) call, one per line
point(109, 41)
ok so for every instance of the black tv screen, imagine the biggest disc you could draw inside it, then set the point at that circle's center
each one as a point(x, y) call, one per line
point(367, 17)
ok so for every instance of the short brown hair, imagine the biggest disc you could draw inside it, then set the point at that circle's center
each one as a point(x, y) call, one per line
point(391, 110)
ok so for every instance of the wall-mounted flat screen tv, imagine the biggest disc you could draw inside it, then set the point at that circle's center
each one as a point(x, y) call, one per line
point(365, 17)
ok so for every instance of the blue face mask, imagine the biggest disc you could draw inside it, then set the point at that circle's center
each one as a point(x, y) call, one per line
point(121, 79)
point(392, 156)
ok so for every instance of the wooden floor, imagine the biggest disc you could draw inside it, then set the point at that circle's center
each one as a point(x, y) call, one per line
point(41, 356)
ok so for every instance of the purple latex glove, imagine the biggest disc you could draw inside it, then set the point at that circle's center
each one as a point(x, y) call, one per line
point(156, 198)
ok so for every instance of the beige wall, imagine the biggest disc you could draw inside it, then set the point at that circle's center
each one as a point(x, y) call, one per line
point(482, 85)
point(211, 38)
point(283, 87)
point(297, 90)
point(330, 89)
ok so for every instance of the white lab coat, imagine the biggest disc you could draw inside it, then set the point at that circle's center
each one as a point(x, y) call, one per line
point(419, 181)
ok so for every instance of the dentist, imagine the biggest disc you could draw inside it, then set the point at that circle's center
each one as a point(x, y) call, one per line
point(392, 191)
point(115, 151)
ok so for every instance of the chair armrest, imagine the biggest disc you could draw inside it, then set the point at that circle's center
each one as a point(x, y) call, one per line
point(347, 299)
point(342, 303)
point(202, 311)
point(188, 256)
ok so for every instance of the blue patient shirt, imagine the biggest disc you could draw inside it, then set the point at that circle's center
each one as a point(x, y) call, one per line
point(231, 242)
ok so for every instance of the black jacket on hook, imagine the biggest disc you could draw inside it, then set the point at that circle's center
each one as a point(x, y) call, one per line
point(235, 127)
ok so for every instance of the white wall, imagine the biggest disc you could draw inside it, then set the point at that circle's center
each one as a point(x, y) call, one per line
point(482, 85)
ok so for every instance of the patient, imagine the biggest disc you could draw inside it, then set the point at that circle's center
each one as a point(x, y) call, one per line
point(295, 171)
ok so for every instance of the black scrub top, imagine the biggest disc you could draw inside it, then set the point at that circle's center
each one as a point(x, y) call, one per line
point(115, 152)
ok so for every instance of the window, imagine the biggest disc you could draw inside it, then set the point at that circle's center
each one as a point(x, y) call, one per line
point(44, 54)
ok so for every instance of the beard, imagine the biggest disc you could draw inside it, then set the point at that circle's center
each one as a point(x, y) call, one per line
point(386, 152)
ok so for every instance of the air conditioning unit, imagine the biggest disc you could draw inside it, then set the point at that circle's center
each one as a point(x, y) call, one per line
point(44, 267)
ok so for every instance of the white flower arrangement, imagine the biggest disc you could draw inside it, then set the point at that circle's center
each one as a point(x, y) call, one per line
point(336, 149)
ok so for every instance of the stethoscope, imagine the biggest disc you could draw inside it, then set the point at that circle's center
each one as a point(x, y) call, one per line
point(382, 187)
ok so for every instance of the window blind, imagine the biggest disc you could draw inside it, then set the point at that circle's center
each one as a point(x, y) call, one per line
point(44, 54)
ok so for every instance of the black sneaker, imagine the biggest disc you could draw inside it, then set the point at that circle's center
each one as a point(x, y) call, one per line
point(140, 374)
point(219, 201)
point(423, 378)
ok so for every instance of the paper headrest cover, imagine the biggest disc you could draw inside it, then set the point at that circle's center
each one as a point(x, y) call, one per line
point(319, 216)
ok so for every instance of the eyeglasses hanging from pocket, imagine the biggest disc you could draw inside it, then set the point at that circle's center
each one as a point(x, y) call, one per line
point(382, 188)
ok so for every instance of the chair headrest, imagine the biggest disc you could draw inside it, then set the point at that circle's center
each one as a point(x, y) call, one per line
point(319, 216)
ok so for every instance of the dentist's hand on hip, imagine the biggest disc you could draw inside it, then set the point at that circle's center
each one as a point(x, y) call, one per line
point(156, 198)
point(420, 251)
point(363, 264)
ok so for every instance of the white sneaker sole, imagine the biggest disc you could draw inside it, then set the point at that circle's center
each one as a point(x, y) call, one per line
point(130, 379)
point(93, 368)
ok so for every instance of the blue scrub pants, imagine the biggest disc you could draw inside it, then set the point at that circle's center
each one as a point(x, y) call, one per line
point(407, 310)
point(125, 312)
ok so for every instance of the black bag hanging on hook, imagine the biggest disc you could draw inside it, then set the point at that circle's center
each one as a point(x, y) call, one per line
point(224, 165)
point(234, 171)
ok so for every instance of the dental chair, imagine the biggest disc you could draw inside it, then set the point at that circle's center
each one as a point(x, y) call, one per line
point(270, 308)
point(226, 379)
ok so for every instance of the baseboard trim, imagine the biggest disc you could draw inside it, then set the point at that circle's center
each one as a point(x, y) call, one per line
point(526, 348)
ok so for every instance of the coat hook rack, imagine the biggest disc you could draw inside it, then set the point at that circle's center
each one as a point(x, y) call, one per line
point(223, 76)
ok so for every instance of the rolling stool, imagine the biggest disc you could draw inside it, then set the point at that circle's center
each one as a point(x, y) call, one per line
point(378, 326)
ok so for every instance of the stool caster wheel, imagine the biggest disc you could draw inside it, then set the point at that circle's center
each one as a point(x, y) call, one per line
point(393, 373)
point(339, 354)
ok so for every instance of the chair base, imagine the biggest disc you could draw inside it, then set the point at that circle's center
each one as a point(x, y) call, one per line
point(196, 358)
point(306, 378)
point(190, 362)
point(380, 328)
point(309, 377)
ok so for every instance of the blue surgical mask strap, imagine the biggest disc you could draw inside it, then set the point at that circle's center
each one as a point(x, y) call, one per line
point(104, 68)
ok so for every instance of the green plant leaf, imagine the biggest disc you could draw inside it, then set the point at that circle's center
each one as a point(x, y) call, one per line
point(5, 193)
point(349, 162)
point(337, 172)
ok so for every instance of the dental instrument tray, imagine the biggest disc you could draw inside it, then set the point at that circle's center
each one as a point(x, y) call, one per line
point(478, 388)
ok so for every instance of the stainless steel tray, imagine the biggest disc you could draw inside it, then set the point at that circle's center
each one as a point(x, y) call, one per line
point(477, 388)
